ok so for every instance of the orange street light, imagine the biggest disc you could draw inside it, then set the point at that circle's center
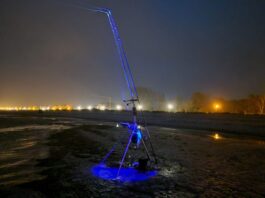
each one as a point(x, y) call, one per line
point(217, 106)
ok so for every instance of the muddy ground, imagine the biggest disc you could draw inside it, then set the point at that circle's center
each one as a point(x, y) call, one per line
point(52, 157)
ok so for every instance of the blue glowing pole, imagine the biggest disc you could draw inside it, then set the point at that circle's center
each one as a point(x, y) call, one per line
point(122, 55)
point(124, 154)
point(108, 154)
point(123, 58)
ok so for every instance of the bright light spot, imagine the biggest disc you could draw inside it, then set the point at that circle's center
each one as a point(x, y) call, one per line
point(139, 127)
point(217, 106)
point(117, 125)
point(140, 107)
point(79, 107)
point(89, 107)
point(102, 108)
point(43, 108)
point(37, 108)
point(170, 106)
point(68, 108)
point(216, 136)
point(118, 107)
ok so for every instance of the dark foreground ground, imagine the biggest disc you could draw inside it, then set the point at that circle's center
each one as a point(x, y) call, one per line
point(51, 156)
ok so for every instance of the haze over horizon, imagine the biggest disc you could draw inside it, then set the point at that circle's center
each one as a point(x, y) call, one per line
point(53, 53)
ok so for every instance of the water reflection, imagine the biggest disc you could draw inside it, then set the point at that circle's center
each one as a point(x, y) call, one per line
point(216, 136)
point(20, 149)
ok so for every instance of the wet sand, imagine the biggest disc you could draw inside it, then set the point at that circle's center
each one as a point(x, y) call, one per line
point(53, 157)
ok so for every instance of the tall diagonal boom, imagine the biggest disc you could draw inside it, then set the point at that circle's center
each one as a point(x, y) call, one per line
point(122, 55)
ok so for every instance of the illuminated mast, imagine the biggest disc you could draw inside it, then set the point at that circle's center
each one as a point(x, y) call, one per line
point(136, 134)
point(122, 55)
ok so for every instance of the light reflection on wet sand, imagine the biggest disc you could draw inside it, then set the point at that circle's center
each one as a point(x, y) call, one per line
point(34, 127)
point(20, 150)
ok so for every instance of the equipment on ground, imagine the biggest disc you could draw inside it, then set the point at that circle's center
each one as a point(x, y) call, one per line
point(139, 135)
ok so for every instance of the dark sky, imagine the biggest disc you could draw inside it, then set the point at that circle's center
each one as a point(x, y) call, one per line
point(51, 53)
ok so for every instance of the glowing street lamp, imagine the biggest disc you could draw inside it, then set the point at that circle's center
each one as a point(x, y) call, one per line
point(68, 108)
point(43, 108)
point(79, 107)
point(170, 106)
point(217, 106)
point(89, 107)
point(102, 108)
point(118, 107)
point(139, 107)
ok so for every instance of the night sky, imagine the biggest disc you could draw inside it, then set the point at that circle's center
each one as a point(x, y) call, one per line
point(52, 53)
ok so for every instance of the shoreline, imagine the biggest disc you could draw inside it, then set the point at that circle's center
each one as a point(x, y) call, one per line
point(250, 125)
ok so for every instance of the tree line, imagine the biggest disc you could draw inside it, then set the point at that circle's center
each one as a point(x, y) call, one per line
point(201, 102)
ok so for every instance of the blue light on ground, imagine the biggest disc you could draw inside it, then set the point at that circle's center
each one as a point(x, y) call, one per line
point(126, 174)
